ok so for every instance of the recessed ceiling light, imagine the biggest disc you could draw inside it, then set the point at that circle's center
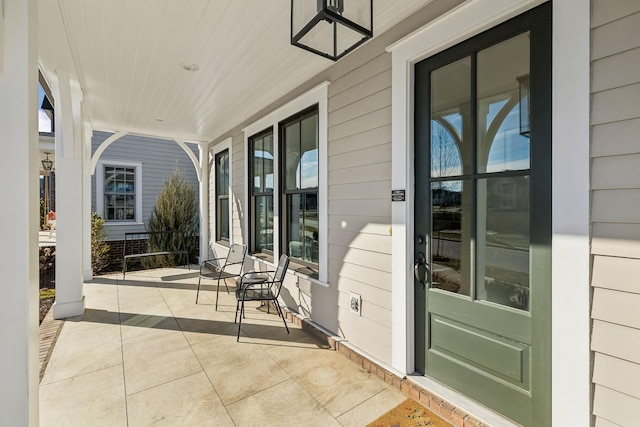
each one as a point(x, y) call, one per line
point(190, 67)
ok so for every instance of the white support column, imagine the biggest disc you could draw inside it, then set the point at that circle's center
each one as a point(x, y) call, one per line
point(87, 270)
point(204, 199)
point(69, 206)
point(19, 371)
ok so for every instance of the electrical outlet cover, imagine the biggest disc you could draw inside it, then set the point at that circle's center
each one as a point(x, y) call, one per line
point(355, 303)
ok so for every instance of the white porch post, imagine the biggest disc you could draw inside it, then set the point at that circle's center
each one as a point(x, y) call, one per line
point(19, 225)
point(204, 199)
point(69, 195)
point(87, 271)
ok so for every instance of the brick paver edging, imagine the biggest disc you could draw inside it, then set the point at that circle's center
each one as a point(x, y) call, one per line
point(435, 404)
point(49, 331)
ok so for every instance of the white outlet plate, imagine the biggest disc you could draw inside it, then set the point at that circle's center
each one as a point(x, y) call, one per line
point(355, 303)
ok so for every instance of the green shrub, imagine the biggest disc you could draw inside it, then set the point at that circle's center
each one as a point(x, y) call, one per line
point(176, 209)
point(43, 212)
point(99, 248)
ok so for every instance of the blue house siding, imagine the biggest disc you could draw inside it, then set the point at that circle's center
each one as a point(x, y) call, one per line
point(159, 158)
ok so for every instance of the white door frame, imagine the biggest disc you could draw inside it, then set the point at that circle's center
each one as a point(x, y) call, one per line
point(570, 174)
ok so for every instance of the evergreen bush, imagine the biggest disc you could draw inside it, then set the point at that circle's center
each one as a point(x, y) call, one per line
point(99, 248)
point(176, 209)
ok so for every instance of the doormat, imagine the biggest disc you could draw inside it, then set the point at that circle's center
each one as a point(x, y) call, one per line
point(409, 414)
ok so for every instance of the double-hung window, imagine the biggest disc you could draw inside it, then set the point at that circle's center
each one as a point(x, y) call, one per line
point(286, 184)
point(222, 196)
point(118, 191)
point(261, 150)
point(299, 186)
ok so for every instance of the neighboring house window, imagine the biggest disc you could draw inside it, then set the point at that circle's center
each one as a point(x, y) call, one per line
point(299, 186)
point(119, 191)
point(222, 196)
point(261, 182)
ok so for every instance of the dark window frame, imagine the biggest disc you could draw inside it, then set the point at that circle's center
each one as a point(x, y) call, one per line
point(254, 246)
point(303, 192)
point(221, 196)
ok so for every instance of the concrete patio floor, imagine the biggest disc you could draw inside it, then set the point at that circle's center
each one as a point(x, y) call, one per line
point(144, 354)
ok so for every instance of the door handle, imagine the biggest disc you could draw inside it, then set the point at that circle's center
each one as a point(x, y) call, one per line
point(420, 261)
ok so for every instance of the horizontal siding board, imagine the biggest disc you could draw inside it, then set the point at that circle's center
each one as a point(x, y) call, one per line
point(617, 407)
point(361, 174)
point(375, 278)
point(616, 172)
point(361, 124)
point(613, 340)
point(622, 240)
point(361, 257)
point(373, 314)
point(617, 36)
point(616, 104)
point(372, 338)
point(360, 74)
point(605, 11)
point(369, 242)
point(624, 133)
point(361, 190)
point(616, 273)
point(616, 307)
point(374, 155)
point(362, 141)
point(616, 205)
point(365, 223)
point(615, 71)
point(617, 374)
point(362, 90)
point(363, 107)
point(378, 208)
point(370, 294)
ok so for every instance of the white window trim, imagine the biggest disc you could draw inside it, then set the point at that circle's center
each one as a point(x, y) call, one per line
point(100, 189)
point(213, 151)
point(570, 174)
point(318, 95)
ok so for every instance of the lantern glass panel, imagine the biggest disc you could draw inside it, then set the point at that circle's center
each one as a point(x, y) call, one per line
point(303, 12)
point(320, 37)
point(358, 11)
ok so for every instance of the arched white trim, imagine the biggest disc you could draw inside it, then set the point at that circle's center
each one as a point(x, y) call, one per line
point(107, 142)
point(192, 156)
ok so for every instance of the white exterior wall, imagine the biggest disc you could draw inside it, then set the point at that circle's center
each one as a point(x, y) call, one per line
point(615, 192)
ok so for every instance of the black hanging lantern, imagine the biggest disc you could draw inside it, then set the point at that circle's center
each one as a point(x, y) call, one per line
point(331, 28)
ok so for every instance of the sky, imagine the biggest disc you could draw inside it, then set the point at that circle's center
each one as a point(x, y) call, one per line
point(44, 124)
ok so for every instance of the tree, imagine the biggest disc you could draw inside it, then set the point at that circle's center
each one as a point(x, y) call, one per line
point(176, 209)
point(99, 248)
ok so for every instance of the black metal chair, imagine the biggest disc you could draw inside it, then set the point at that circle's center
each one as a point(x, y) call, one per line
point(223, 268)
point(252, 287)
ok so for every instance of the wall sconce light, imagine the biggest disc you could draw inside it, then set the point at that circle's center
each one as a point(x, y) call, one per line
point(47, 164)
point(331, 28)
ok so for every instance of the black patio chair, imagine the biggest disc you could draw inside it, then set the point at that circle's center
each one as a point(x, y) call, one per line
point(257, 287)
point(223, 268)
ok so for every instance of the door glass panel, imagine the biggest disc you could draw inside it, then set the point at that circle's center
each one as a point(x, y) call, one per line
point(451, 236)
point(503, 87)
point(451, 138)
point(503, 229)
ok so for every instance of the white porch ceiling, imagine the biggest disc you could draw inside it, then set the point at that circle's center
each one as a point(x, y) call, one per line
point(127, 57)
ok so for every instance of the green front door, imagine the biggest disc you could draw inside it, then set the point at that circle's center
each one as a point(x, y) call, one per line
point(483, 217)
